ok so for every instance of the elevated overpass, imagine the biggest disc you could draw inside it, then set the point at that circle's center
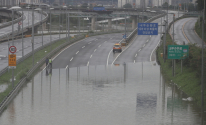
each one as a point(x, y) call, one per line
point(6, 31)
point(117, 13)
point(75, 12)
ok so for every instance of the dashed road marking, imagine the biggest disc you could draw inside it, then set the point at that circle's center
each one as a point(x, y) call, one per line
point(66, 67)
point(140, 50)
point(99, 45)
point(134, 61)
point(83, 47)
point(95, 50)
point(88, 64)
point(91, 56)
point(89, 42)
point(77, 52)
point(144, 45)
point(71, 59)
point(136, 55)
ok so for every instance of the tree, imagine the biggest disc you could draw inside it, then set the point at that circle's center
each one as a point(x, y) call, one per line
point(127, 5)
point(84, 5)
point(165, 5)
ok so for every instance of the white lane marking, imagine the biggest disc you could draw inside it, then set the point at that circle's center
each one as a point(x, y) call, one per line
point(153, 52)
point(66, 67)
point(71, 59)
point(147, 40)
point(89, 42)
point(95, 50)
point(88, 64)
point(96, 39)
point(136, 55)
point(144, 45)
point(77, 52)
point(108, 57)
point(99, 45)
point(105, 41)
point(150, 36)
point(140, 49)
point(110, 38)
point(91, 56)
point(121, 52)
point(83, 47)
point(134, 61)
point(2, 56)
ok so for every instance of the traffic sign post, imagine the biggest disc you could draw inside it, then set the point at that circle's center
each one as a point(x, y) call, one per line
point(19, 23)
point(12, 49)
point(125, 36)
point(147, 28)
point(12, 61)
point(177, 51)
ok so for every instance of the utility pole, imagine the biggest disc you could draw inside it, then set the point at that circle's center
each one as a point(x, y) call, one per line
point(32, 36)
point(202, 85)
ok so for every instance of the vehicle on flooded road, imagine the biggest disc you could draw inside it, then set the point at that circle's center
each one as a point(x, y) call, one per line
point(117, 48)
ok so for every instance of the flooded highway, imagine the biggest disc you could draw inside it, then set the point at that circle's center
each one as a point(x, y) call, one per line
point(129, 94)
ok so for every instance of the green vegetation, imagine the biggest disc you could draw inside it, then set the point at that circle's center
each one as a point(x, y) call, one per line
point(189, 80)
point(127, 5)
point(23, 67)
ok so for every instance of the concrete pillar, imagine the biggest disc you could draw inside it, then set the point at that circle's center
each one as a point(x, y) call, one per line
point(44, 26)
point(93, 24)
point(134, 22)
point(109, 24)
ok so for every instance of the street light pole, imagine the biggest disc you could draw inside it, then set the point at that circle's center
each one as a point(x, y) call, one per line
point(22, 35)
point(33, 36)
point(50, 29)
point(42, 28)
point(165, 41)
point(28, 14)
point(68, 27)
point(40, 10)
point(59, 24)
point(12, 8)
point(202, 84)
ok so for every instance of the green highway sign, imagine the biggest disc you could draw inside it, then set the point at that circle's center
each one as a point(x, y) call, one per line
point(177, 51)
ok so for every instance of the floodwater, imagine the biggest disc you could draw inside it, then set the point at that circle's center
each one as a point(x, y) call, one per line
point(131, 94)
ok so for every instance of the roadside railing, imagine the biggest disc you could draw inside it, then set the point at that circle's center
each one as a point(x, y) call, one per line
point(16, 89)
point(14, 21)
point(16, 32)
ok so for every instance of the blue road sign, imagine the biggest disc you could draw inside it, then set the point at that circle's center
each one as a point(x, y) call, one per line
point(125, 36)
point(147, 28)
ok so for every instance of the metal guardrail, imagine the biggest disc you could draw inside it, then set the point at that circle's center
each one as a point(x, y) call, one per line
point(13, 93)
point(15, 90)
point(16, 32)
point(14, 21)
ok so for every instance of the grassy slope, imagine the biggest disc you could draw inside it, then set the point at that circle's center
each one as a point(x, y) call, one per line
point(188, 81)
point(23, 67)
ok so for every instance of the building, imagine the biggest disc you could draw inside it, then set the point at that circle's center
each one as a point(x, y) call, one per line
point(16, 2)
point(151, 3)
point(140, 3)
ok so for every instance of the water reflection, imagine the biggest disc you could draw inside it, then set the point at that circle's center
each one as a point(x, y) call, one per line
point(127, 94)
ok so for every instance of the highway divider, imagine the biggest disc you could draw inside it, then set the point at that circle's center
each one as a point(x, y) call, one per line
point(14, 21)
point(16, 32)
point(17, 88)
